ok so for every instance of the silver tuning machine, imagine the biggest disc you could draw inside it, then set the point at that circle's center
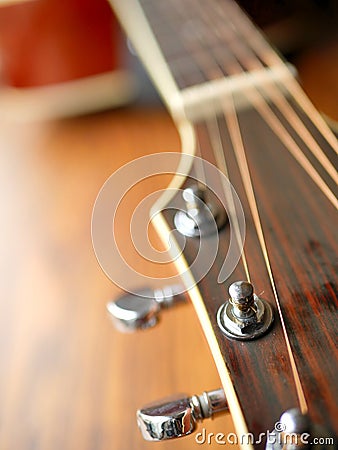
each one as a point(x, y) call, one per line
point(178, 417)
point(131, 312)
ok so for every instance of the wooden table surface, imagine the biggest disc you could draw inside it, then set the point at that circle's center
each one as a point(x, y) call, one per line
point(68, 380)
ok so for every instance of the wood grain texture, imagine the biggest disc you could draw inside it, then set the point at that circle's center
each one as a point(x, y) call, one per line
point(68, 379)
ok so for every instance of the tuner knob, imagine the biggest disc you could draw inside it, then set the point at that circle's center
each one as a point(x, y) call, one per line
point(178, 417)
point(132, 312)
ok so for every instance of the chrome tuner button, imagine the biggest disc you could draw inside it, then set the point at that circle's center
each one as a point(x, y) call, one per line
point(178, 417)
point(200, 218)
point(132, 312)
point(244, 316)
point(295, 431)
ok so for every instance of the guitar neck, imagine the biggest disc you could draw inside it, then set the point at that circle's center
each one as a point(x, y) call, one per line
point(194, 55)
point(202, 44)
point(188, 45)
point(192, 38)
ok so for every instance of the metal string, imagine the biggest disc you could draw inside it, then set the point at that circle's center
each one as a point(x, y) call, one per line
point(231, 118)
point(236, 138)
point(253, 63)
point(257, 43)
point(216, 144)
point(255, 96)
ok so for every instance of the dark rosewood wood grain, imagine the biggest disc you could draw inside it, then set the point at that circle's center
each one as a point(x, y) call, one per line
point(300, 226)
point(189, 35)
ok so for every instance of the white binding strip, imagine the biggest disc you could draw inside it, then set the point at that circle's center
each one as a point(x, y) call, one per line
point(188, 139)
point(143, 40)
point(181, 265)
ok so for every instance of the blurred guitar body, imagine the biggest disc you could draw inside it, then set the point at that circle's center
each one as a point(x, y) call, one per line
point(70, 57)
point(67, 54)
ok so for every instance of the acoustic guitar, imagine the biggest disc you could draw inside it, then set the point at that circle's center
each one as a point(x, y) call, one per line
point(253, 206)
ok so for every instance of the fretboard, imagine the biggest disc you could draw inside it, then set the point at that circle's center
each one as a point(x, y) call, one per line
point(196, 54)
point(202, 42)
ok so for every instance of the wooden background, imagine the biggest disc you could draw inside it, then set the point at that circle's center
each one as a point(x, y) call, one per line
point(68, 380)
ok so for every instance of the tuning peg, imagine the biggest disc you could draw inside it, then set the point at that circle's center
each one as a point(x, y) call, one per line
point(178, 417)
point(132, 312)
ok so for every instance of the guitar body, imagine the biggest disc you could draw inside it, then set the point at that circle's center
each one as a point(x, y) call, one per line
point(279, 156)
point(65, 58)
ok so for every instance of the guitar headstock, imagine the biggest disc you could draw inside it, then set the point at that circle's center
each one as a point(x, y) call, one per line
point(250, 216)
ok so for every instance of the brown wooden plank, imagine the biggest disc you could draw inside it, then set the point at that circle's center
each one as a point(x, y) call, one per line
point(69, 380)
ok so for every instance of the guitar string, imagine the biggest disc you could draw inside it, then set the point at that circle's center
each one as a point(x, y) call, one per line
point(216, 144)
point(238, 146)
point(217, 147)
point(271, 58)
point(276, 125)
point(221, 163)
point(234, 130)
point(290, 144)
point(235, 134)
point(199, 168)
point(253, 63)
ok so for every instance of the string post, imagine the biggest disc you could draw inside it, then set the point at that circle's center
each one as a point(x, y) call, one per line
point(242, 299)
point(200, 216)
point(244, 316)
point(192, 195)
